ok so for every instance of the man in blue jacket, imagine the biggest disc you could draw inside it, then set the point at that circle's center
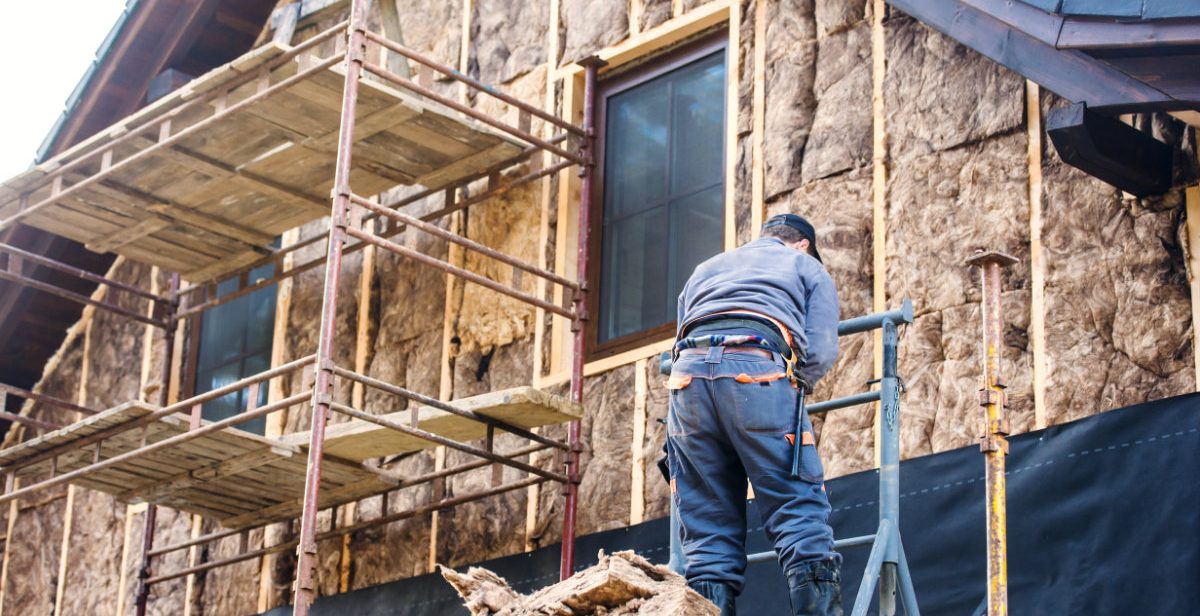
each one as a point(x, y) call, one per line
point(756, 325)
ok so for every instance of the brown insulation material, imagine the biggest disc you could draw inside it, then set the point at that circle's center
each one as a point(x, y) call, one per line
point(742, 189)
point(840, 209)
point(606, 434)
point(494, 526)
point(507, 223)
point(432, 27)
point(232, 589)
point(33, 556)
point(841, 128)
point(592, 25)
point(656, 491)
point(304, 321)
point(1117, 308)
point(400, 549)
point(508, 39)
point(791, 71)
point(974, 196)
point(623, 583)
point(93, 569)
point(654, 12)
point(407, 352)
point(833, 16)
point(932, 92)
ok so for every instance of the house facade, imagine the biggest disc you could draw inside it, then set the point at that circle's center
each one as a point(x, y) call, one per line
point(907, 148)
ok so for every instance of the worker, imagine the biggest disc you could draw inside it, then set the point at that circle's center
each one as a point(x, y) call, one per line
point(757, 327)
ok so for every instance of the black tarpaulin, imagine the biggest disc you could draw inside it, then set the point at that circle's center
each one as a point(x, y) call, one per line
point(1103, 519)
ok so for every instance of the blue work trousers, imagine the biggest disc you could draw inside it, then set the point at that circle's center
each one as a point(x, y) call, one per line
point(731, 412)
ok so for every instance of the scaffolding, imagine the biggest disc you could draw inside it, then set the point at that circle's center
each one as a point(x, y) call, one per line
point(199, 184)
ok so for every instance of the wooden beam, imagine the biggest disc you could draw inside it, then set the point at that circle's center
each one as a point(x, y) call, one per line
point(733, 67)
point(1095, 35)
point(389, 15)
point(759, 119)
point(14, 509)
point(879, 179)
point(637, 479)
point(1193, 236)
point(1037, 263)
point(274, 534)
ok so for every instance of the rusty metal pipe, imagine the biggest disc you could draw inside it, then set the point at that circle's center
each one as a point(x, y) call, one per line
point(446, 406)
point(44, 399)
point(447, 442)
point(465, 274)
point(994, 441)
point(46, 287)
point(424, 92)
point(345, 530)
point(306, 548)
point(477, 85)
point(470, 244)
point(77, 272)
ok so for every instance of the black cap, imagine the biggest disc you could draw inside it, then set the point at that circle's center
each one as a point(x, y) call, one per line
point(798, 223)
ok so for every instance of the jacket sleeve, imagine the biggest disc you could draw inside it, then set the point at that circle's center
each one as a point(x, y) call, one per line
point(820, 326)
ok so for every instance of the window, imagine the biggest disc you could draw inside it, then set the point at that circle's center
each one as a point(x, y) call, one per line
point(234, 343)
point(662, 187)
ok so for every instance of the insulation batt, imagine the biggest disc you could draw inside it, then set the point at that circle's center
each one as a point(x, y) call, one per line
point(621, 583)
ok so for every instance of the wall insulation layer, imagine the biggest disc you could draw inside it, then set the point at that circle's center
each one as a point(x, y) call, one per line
point(1116, 310)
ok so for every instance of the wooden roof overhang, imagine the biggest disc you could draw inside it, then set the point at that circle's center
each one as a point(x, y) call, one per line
point(193, 36)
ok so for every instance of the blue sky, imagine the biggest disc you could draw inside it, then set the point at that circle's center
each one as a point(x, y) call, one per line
point(45, 47)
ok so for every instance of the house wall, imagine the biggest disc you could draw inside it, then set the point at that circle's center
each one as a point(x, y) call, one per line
point(905, 149)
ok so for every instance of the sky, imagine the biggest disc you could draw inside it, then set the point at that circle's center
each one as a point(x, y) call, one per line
point(45, 48)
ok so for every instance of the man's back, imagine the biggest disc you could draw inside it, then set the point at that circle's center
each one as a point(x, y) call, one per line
point(767, 277)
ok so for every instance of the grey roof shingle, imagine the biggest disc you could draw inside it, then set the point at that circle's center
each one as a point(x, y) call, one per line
point(1121, 9)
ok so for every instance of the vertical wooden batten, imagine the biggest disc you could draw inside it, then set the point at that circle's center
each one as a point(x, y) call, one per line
point(533, 493)
point(1037, 264)
point(637, 479)
point(1193, 237)
point(879, 179)
point(274, 533)
point(758, 127)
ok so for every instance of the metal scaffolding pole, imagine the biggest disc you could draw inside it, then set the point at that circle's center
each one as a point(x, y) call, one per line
point(306, 550)
point(994, 441)
point(590, 65)
point(142, 597)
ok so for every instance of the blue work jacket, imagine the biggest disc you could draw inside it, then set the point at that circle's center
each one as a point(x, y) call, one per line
point(767, 277)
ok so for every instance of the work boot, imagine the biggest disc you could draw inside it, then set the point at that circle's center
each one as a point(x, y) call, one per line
point(719, 593)
point(816, 588)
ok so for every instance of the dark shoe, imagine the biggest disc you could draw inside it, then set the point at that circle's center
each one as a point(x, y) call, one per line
point(816, 588)
point(720, 594)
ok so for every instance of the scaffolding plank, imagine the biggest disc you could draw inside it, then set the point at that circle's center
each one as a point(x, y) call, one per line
point(524, 407)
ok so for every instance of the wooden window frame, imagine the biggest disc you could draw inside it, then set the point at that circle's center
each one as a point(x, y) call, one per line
point(625, 80)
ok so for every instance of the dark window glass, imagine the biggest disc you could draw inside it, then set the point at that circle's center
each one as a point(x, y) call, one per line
point(663, 192)
point(235, 342)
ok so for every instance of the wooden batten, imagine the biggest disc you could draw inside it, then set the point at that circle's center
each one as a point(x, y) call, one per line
point(879, 178)
point(758, 119)
point(1193, 236)
point(1037, 262)
point(733, 66)
point(14, 508)
point(193, 552)
point(637, 479)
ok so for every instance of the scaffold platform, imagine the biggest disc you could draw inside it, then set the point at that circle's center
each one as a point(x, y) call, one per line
point(241, 479)
point(204, 189)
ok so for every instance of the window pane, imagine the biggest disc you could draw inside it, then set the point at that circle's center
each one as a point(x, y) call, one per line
point(663, 199)
point(698, 117)
point(634, 275)
point(636, 149)
point(696, 235)
point(228, 405)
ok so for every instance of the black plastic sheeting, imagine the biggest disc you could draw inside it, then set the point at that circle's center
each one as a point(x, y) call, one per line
point(1104, 518)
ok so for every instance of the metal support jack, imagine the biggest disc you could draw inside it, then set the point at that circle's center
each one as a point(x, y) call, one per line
point(994, 441)
point(887, 568)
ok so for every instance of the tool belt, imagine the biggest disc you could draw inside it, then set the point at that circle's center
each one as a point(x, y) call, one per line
point(711, 330)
